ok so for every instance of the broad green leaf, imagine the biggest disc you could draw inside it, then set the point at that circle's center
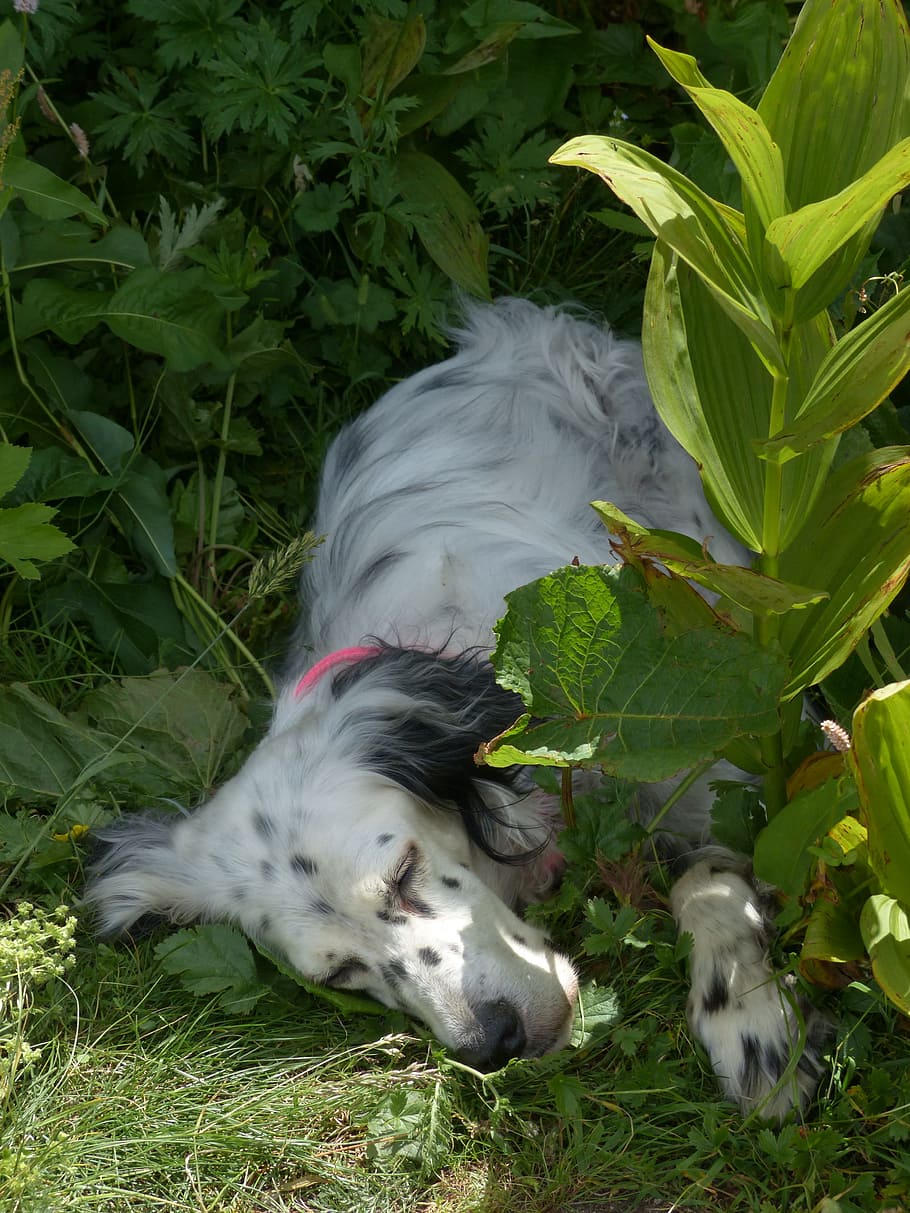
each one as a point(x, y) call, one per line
point(885, 925)
point(802, 241)
point(75, 244)
point(684, 218)
point(782, 854)
point(26, 535)
point(187, 726)
point(173, 314)
point(44, 193)
point(446, 219)
point(42, 752)
point(142, 505)
point(357, 1004)
point(837, 101)
point(66, 311)
point(214, 959)
point(603, 685)
point(141, 631)
point(598, 1011)
point(718, 407)
point(856, 375)
point(744, 135)
point(835, 105)
point(880, 758)
point(856, 545)
point(744, 586)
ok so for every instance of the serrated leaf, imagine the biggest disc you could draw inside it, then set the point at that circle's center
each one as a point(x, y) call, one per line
point(42, 752)
point(214, 959)
point(357, 1004)
point(186, 726)
point(14, 461)
point(412, 1128)
point(27, 535)
point(598, 1010)
point(585, 650)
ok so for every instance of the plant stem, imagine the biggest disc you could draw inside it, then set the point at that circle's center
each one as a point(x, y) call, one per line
point(222, 462)
point(767, 625)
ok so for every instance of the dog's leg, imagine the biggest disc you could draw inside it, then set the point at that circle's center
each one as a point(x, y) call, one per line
point(752, 1024)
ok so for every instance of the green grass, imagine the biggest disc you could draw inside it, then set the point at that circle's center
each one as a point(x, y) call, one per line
point(144, 1098)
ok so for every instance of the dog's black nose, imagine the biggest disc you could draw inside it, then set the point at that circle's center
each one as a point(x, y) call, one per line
point(500, 1036)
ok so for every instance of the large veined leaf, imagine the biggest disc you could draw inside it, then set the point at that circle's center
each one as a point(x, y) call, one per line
point(446, 219)
point(718, 408)
point(880, 758)
point(829, 131)
point(885, 925)
point(855, 376)
point(42, 752)
point(603, 684)
point(855, 544)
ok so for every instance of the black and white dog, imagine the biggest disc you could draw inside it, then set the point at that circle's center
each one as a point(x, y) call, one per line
point(360, 840)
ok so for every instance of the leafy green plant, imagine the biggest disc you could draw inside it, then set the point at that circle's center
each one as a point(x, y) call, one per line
point(749, 373)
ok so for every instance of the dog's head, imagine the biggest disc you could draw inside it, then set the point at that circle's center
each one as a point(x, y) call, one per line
point(359, 843)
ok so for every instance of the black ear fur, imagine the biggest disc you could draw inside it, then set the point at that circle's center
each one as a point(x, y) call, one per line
point(425, 738)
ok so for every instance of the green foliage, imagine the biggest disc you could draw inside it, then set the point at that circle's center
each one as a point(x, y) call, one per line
point(749, 373)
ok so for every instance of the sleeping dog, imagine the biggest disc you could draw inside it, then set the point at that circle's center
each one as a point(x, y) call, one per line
point(360, 840)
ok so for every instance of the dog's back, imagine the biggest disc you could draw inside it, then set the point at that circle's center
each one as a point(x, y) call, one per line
point(507, 443)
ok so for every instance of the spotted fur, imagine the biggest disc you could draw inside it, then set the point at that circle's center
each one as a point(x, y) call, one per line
point(360, 840)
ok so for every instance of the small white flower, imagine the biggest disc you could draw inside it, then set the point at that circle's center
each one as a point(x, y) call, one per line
point(80, 138)
point(838, 738)
point(25, 6)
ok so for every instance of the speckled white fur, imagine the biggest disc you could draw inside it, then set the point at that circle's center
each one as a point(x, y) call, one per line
point(359, 839)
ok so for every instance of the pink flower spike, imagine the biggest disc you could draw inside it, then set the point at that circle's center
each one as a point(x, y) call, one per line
point(81, 139)
point(25, 6)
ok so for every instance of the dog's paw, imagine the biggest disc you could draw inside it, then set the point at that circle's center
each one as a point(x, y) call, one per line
point(763, 1040)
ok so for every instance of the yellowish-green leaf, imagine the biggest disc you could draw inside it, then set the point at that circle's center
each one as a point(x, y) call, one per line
point(854, 378)
point(885, 925)
point(880, 758)
point(801, 242)
point(856, 545)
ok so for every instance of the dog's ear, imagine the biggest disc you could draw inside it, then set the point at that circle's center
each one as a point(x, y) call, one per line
point(420, 718)
point(136, 872)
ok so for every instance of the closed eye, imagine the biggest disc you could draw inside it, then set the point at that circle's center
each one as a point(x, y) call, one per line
point(347, 970)
point(404, 884)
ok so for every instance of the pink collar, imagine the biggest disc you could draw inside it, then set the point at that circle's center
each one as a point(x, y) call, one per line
point(339, 657)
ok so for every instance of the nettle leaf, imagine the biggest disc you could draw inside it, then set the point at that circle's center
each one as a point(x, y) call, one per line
point(412, 1128)
point(605, 686)
point(42, 752)
point(25, 531)
point(214, 959)
point(186, 725)
point(357, 1004)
